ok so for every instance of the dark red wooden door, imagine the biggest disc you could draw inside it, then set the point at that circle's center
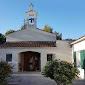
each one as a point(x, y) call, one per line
point(31, 61)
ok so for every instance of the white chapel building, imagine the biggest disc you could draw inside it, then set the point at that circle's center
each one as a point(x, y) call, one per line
point(29, 49)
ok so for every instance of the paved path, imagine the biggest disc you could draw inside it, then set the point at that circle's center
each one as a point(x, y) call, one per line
point(30, 79)
point(79, 82)
point(35, 79)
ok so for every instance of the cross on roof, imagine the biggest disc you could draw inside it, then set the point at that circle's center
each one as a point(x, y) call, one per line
point(31, 6)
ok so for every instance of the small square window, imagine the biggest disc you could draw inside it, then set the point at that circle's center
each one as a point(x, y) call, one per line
point(9, 57)
point(49, 57)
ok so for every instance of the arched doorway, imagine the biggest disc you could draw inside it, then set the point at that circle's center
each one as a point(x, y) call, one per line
point(30, 61)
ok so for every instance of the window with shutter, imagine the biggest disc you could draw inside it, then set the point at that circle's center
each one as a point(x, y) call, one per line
point(74, 55)
point(82, 54)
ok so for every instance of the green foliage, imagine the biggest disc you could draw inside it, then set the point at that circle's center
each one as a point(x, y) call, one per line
point(61, 71)
point(9, 32)
point(48, 29)
point(49, 69)
point(5, 71)
point(2, 38)
point(58, 35)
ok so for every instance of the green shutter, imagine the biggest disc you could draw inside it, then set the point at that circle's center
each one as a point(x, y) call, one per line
point(74, 55)
point(82, 54)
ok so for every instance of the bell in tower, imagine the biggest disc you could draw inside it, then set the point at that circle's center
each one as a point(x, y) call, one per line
point(31, 17)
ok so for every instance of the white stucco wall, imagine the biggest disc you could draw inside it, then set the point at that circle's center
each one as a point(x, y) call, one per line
point(16, 51)
point(77, 48)
point(30, 34)
point(62, 52)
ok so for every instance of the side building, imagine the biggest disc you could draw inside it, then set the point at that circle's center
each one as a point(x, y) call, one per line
point(78, 52)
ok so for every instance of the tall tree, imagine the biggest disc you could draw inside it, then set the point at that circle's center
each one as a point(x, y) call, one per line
point(58, 35)
point(23, 27)
point(9, 32)
point(48, 29)
point(2, 38)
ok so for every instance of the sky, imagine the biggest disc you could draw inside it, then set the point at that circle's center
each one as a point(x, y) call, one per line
point(64, 16)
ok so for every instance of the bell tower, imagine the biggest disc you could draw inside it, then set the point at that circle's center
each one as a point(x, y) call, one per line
point(31, 17)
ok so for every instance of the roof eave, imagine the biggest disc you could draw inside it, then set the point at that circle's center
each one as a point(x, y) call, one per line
point(78, 40)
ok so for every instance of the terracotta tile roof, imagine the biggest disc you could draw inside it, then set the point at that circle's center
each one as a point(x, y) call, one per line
point(29, 44)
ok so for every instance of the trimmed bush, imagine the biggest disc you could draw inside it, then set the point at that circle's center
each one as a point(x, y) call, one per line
point(61, 71)
point(5, 71)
